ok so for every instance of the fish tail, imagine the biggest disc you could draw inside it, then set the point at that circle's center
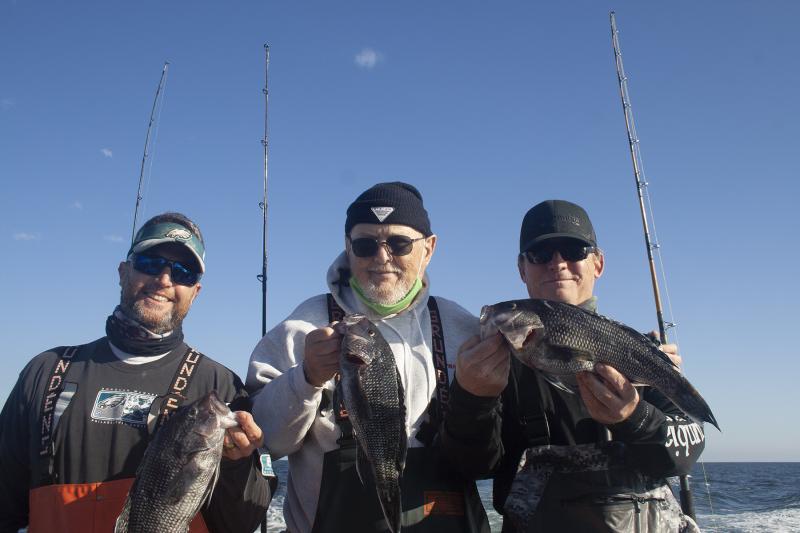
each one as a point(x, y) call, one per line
point(391, 505)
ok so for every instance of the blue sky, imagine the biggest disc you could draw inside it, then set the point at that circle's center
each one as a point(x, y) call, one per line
point(488, 107)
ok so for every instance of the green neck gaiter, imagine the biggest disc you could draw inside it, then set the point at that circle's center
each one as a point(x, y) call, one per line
point(386, 310)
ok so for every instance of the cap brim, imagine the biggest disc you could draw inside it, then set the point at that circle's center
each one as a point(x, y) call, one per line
point(149, 243)
point(548, 236)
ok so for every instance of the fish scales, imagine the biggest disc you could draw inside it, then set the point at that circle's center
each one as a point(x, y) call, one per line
point(179, 469)
point(375, 401)
point(560, 340)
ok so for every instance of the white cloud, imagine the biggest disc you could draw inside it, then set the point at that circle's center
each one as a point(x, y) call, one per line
point(76, 205)
point(25, 236)
point(113, 238)
point(368, 58)
point(107, 152)
point(7, 103)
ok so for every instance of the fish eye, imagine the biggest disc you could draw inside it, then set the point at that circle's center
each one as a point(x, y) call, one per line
point(371, 332)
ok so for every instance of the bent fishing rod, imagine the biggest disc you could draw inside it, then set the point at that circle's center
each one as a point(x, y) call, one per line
point(687, 502)
point(139, 197)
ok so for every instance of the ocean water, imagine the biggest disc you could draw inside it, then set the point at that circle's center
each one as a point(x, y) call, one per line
point(736, 498)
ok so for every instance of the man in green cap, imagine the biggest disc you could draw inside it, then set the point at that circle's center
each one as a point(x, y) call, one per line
point(76, 425)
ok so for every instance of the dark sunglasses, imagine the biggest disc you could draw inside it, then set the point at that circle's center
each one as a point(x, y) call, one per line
point(368, 246)
point(569, 251)
point(153, 265)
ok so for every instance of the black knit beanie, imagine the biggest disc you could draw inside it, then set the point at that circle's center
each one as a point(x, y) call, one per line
point(389, 203)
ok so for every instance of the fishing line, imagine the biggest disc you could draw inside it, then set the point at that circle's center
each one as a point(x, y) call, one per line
point(648, 219)
point(152, 154)
point(147, 145)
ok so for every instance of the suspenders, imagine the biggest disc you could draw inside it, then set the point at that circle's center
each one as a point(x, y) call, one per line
point(53, 404)
point(438, 405)
point(180, 382)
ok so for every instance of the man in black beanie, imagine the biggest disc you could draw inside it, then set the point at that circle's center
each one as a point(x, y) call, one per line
point(388, 243)
point(559, 260)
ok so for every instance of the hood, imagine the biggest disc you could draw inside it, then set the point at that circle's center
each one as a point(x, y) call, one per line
point(349, 302)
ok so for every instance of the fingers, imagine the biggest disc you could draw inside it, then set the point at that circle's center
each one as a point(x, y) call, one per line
point(321, 360)
point(672, 352)
point(482, 366)
point(240, 441)
point(608, 395)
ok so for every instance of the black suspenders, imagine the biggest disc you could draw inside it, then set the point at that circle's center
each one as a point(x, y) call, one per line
point(179, 384)
point(55, 386)
point(438, 405)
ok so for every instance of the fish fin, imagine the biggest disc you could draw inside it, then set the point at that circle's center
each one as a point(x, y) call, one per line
point(121, 525)
point(392, 505)
point(556, 382)
point(401, 396)
point(363, 468)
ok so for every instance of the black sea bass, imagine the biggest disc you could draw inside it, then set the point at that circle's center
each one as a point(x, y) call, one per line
point(374, 397)
point(179, 469)
point(560, 340)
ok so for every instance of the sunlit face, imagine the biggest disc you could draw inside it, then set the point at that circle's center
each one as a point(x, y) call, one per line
point(571, 282)
point(386, 278)
point(156, 302)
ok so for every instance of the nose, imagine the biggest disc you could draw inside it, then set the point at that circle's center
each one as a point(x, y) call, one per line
point(556, 262)
point(384, 254)
point(164, 278)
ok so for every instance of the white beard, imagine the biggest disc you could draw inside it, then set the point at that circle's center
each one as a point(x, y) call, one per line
point(387, 297)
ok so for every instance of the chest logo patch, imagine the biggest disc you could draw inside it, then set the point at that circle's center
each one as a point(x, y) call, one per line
point(122, 407)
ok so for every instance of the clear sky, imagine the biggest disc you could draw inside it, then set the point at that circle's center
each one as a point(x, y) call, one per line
point(487, 107)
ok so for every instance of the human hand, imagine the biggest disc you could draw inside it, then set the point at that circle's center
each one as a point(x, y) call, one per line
point(670, 349)
point(608, 395)
point(240, 441)
point(321, 358)
point(482, 365)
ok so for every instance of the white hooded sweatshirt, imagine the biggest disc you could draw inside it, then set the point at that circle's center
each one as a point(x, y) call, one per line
point(287, 408)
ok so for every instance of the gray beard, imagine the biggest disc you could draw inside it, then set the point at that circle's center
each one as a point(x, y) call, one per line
point(391, 297)
point(168, 322)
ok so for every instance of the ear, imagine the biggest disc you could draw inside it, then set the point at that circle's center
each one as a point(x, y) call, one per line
point(122, 269)
point(430, 247)
point(196, 288)
point(599, 264)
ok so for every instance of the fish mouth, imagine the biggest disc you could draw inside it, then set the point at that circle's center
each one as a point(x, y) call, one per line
point(355, 360)
point(518, 335)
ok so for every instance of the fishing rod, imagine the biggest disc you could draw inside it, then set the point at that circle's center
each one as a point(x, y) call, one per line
point(263, 204)
point(139, 197)
point(687, 502)
point(264, 456)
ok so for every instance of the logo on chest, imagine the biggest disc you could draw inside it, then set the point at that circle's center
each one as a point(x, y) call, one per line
point(122, 407)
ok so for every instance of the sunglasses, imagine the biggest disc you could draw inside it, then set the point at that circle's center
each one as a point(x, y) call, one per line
point(368, 246)
point(153, 265)
point(569, 251)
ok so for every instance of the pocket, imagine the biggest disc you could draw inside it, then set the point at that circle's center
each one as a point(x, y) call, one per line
point(622, 513)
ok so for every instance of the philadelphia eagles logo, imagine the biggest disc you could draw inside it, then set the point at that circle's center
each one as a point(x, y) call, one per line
point(178, 235)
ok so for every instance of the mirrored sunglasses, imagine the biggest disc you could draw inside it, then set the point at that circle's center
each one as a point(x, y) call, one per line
point(153, 265)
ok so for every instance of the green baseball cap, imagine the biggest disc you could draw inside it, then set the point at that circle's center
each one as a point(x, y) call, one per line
point(155, 234)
